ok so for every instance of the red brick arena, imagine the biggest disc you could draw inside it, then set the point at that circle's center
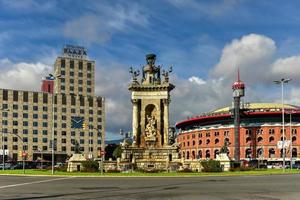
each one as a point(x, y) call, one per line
point(203, 136)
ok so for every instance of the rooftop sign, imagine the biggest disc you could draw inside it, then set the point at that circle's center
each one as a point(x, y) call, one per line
point(74, 51)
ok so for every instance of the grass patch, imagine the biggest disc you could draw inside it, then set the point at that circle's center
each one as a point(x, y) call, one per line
point(170, 174)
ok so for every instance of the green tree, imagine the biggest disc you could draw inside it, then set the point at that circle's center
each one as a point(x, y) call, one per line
point(117, 152)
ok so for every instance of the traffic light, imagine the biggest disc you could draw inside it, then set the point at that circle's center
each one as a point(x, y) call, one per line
point(84, 126)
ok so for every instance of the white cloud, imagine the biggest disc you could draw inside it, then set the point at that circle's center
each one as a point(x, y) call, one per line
point(196, 80)
point(22, 76)
point(287, 68)
point(105, 21)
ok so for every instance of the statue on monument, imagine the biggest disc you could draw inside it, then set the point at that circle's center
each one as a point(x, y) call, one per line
point(150, 129)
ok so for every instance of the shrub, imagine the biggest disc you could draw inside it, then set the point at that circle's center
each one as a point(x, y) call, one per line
point(90, 166)
point(113, 171)
point(211, 166)
point(185, 170)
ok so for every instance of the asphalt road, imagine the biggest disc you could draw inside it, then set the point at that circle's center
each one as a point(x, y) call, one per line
point(243, 187)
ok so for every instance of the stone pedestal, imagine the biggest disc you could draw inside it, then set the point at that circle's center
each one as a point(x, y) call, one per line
point(75, 163)
point(224, 161)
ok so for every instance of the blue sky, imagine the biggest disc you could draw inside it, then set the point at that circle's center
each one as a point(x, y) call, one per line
point(204, 41)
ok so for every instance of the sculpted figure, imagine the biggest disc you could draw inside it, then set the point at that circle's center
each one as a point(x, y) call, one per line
point(150, 129)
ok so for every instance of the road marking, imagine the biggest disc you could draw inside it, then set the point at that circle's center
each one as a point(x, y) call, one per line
point(34, 182)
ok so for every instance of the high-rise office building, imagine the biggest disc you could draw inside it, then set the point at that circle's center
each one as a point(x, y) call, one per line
point(30, 119)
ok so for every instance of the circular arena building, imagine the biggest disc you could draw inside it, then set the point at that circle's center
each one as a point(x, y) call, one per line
point(260, 133)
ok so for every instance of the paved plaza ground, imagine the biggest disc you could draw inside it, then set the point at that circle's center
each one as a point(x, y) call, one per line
point(269, 187)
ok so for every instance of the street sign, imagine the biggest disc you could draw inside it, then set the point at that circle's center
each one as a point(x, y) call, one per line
point(287, 143)
point(6, 152)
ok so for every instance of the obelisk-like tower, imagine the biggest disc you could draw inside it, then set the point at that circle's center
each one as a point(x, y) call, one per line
point(150, 100)
point(238, 88)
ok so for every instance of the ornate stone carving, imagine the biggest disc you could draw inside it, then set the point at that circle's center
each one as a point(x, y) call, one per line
point(150, 130)
point(135, 74)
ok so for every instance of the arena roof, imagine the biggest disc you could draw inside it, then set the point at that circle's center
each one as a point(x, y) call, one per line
point(256, 106)
point(250, 109)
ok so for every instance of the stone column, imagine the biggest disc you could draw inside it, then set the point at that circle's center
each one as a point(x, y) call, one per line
point(134, 120)
point(166, 121)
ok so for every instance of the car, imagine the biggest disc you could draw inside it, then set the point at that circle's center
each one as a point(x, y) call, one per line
point(6, 166)
point(296, 166)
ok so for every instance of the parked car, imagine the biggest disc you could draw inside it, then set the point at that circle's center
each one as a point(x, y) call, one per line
point(6, 166)
point(296, 166)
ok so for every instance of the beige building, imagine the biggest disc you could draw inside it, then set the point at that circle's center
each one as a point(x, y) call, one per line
point(31, 116)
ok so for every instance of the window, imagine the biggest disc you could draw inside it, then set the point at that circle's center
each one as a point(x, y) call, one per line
point(64, 99)
point(217, 141)
point(15, 95)
point(45, 108)
point(71, 80)
point(34, 139)
point(89, 82)
point(271, 131)
point(5, 95)
point(35, 116)
point(63, 148)
point(91, 134)
point(25, 96)
point(89, 66)
point(81, 134)
point(80, 89)
point(259, 139)
point(35, 132)
point(45, 98)
point(72, 133)
point(80, 65)
point(71, 73)
point(63, 140)
point(45, 116)
point(35, 123)
point(63, 63)
point(4, 114)
point(45, 124)
point(35, 108)
point(63, 133)
point(62, 87)
point(72, 64)
point(226, 133)
point(25, 139)
point(45, 148)
point(207, 134)
point(25, 123)
point(15, 114)
point(45, 140)
point(35, 97)
point(91, 141)
point(64, 117)
point(81, 141)
point(271, 139)
point(89, 75)
point(25, 107)
point(80, 81)
point(64, 125)
point(15, 139)
point(64, 110)
point(15, 147)
point(207, 141)
point(62, 72)
point(45, 132)
point(15, 123)
point(15, 107)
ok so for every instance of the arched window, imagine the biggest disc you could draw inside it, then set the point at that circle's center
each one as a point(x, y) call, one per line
point(193, 155)
point(248, 153)
point(199, 154)
point(188, 144)
point(259, 139)
point(260, 152)
point(187, 155)
point(207, 141)
point(271, 139)
point(183, 154)
point(227, 140)
point(294, 138)
point(207, 154)
point(200, 142)
point(271, 153)
point(271, 131)
point(217, 141)
point(194, 142)
point(216, 153)
point(248, 139)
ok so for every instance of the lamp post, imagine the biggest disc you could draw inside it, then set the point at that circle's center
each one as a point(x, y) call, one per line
point(53, 111)
point(291, 136)
point(282, 81)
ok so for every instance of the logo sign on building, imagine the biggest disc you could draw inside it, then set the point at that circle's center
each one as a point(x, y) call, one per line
point(286, 144)
point(74, 51)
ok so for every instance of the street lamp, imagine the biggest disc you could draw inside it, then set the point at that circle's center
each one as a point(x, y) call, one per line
point(3, 151)
point(53, 78)
point(282, 81)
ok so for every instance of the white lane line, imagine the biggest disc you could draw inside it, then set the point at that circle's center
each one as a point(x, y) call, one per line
point(34, 182)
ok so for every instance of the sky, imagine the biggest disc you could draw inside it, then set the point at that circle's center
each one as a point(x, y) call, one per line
point(204, 41)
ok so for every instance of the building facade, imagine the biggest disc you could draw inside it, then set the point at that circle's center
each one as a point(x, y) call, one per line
point(203, 136)
point(31, 119)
